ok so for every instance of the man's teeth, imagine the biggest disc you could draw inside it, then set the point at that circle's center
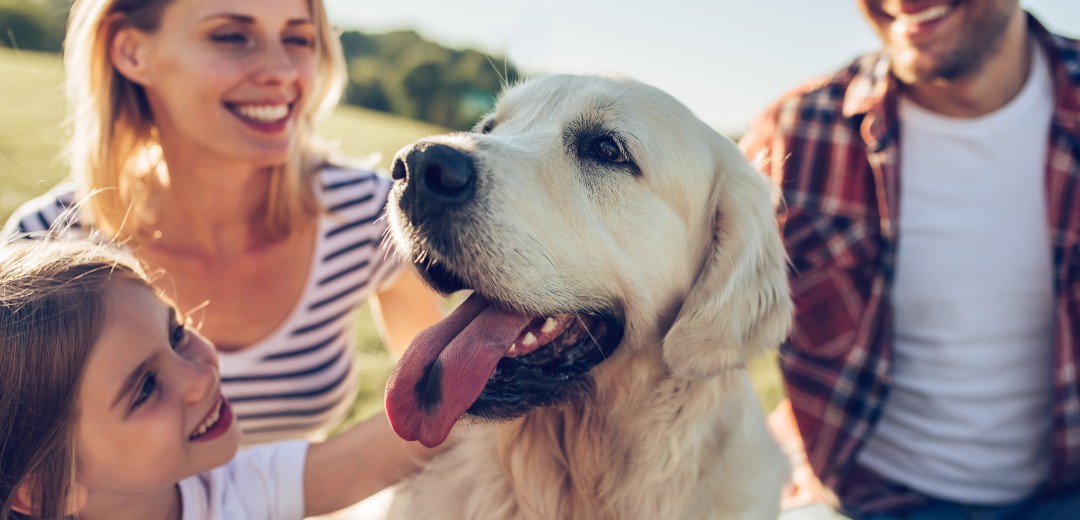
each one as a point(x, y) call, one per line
point(262, 113)
point(926, 15)
point(210, 421)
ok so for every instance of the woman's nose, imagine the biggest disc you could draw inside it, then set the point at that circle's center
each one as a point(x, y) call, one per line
point(278, 66)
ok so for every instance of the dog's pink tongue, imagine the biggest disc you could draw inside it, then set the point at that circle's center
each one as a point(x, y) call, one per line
point(445, 369)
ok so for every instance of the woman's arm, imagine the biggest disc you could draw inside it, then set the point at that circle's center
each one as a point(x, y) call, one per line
point(358, 463)
point(368, 457)
point(803, 488)
point(404, 309)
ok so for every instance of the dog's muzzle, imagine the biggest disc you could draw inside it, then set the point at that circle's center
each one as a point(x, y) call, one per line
point(488, 358)
point(437, 177)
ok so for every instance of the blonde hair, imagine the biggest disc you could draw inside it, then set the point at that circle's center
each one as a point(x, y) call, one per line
point(52, 307)
point(113, 146)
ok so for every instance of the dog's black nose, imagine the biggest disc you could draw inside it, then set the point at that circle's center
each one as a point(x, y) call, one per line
point(437, 177)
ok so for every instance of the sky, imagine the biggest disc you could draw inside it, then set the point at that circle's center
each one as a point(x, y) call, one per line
point(725, 59)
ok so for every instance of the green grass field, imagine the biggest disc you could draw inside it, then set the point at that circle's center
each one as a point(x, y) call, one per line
point(32, 137)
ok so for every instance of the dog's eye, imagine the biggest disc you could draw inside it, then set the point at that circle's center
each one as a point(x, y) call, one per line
point(608, 149)
point(598, 146)
point(488, 126)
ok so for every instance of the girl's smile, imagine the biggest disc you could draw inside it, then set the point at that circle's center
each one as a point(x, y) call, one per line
point(216, 423)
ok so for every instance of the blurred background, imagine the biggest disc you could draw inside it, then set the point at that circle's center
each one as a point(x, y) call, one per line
point(726, 59)
point(418, 67)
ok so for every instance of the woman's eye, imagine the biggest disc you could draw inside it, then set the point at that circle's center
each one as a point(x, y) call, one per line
point(299, 41)
point(177, 335)
point(146, 390)
point(230, 38)
point(609, 150)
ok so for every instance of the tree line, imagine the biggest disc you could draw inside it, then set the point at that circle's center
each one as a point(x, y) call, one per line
point(399, 72)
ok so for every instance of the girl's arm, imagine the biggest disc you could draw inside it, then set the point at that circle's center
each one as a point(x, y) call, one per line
point(358, 463)
point(404, 309)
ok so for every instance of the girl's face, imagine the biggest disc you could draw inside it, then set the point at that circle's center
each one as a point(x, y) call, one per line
point(151, 411)
point(226, 78)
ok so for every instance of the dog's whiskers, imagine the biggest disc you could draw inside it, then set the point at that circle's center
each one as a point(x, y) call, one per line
point(591, 337)
point(503, 76)
point(544, 252)
point(387, 243)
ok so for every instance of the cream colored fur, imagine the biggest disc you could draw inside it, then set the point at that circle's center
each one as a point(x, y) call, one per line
point(687, 248)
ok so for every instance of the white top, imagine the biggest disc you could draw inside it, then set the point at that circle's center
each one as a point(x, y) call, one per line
point(301, 379)
point(968, 415)
point(261, 483)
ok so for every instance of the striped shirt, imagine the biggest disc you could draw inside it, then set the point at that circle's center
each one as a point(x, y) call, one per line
point(833, 148)
point(301, 379)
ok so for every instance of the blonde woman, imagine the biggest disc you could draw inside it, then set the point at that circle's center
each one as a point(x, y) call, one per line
point(193, 131)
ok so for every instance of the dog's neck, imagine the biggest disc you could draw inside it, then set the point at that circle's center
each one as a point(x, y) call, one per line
point(605, 458)
point(600, 444)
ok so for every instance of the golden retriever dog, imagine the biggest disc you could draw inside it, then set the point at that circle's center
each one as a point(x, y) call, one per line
point(624, 263)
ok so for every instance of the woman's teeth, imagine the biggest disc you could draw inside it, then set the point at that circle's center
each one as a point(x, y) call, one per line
point(210, 421)
point(262, 113)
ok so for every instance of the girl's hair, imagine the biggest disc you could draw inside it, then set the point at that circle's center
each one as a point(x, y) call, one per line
point(51, 313)
point(113, 143)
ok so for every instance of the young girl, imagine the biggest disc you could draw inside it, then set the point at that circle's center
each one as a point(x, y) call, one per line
point(112, 408)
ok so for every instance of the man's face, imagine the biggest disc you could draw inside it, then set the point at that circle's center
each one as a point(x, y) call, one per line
point(939, 39)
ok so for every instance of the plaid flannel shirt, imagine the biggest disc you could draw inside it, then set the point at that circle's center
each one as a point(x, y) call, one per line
point(832, 148)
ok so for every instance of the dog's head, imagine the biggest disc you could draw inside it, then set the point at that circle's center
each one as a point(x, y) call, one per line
point(593, 218)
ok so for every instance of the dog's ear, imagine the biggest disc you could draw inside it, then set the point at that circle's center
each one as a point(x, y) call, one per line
point(739, 303)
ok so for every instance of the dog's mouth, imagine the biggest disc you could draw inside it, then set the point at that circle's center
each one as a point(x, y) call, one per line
point(491, 362)
point(438, 277)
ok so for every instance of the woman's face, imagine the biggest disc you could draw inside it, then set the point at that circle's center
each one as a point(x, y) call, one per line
point(226, 77)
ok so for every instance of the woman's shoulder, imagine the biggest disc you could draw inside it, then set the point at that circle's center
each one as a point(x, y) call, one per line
point(55, 209)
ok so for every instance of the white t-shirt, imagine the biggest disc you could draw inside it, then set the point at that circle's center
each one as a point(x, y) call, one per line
point(265, 482)
point(968, 416)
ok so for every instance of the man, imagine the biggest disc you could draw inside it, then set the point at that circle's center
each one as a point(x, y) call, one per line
point(932, 214)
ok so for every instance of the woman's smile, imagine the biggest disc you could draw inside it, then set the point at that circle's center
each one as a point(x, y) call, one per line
point(262, 116)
